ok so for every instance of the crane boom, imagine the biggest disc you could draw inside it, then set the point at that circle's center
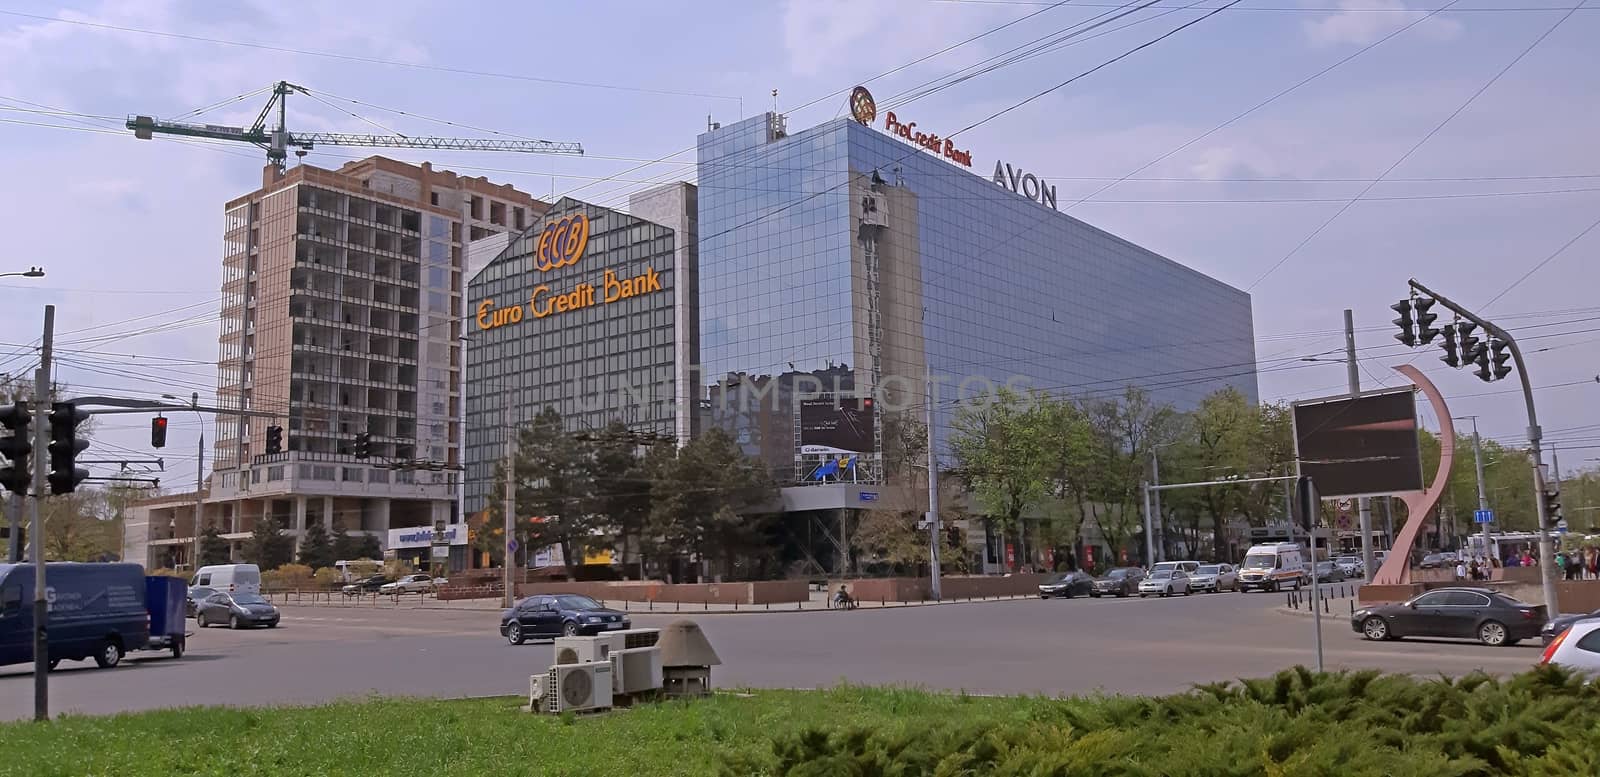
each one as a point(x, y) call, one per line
point(277, 141)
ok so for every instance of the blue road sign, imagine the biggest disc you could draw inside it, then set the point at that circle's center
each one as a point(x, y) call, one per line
point(511, 545)
point(869, 496)
point(1483, 516)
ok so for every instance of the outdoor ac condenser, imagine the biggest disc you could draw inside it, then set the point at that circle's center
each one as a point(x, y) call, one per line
point(584, 650)
point(638, 670)
point(578, 687)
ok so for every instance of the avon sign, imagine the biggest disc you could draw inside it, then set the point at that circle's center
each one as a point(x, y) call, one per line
point(1025, 184)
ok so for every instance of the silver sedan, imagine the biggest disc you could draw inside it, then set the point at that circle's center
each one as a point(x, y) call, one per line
point(1214, 577)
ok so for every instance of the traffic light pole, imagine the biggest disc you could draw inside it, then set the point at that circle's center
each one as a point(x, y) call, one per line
point(14, 540)
point(1363, 504)
point(1547, 564)
point(41, 443)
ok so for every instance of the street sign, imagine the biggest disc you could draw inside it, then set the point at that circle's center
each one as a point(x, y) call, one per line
point(441, 551)
point(868, 496)
point(1483, 516)
point(511, 545)
point(1561, 526)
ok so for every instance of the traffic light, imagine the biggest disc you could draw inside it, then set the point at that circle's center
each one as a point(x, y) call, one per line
point(65, 475)
point(1403, 307)
point(1499, 354)
point(1450, 357)
point(1469, 345)
point(17, 448)
point(158, 432)
point(274, 439)
point(1552, 501)
point(1425, 319)
point(1483, 372)
point(363, 445)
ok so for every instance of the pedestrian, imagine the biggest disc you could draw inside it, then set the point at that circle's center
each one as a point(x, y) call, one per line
point(1473, 571)
point(1563, 567)
point(1594, 563)
point(1461, 571)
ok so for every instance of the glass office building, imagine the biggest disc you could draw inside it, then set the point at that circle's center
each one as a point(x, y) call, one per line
point(843, 246)
point(589, 311)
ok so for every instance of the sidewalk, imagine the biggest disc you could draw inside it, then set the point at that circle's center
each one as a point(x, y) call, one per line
point(818, 601)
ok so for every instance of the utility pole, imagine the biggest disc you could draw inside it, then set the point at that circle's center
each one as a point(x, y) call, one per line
point(935, 526)
point(1363, 504)
point(1149, 533)
point(509, 507)
point(1483, 496)
point(14, 540)
point(41, 448)
point(199, 467)
point(1155, 506)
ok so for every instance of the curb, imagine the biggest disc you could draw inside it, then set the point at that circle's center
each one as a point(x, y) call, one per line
point(669, 609)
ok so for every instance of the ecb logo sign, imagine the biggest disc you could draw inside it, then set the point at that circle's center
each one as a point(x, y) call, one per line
point(561, 244)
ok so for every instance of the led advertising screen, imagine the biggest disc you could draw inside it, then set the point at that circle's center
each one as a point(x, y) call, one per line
point(836, 426)
point(1359, 446)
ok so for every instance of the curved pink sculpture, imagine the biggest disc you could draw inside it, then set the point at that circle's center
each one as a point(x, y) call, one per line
point(1396, 569)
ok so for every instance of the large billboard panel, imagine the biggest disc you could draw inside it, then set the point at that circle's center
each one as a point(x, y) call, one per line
point(1360, 446)
point(836, 426)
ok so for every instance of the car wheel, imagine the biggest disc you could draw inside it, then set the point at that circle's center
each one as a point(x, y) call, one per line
point(272, 625)
point(1188, 591)
point(1493, 634)
point(1068, 594)
point(1122, 594)
point(54, 662)
point(1142, 594)
point(1093, 595)
point(233, 622)
point(199, 621)
point(569, 630)
point(177, 648)
point(514, 634)
point(109, 655)
point(1375, 629)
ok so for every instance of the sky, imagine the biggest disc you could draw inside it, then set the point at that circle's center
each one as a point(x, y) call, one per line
point(1389, 140)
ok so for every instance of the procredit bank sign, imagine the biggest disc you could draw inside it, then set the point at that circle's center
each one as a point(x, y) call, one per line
point(865, 110)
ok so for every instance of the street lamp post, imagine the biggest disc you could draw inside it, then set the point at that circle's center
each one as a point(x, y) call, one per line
point(31, 272)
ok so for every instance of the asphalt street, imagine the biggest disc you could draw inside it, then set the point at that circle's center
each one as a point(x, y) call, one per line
point(1130, 646)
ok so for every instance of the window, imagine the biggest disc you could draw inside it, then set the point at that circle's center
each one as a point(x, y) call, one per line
point(204, 579)
point(1434, 599)
point(1590, 642)
point(1466, 599)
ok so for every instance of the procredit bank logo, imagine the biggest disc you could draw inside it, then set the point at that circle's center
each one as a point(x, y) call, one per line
point(862, 106)
point(928, 140)
point(561, 244)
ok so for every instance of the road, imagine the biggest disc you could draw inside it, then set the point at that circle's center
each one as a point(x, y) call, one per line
point(1052, 647)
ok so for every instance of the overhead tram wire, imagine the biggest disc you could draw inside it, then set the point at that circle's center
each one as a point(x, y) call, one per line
point(1413, 149)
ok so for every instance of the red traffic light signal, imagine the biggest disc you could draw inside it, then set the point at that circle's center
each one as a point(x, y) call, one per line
point(158, 432)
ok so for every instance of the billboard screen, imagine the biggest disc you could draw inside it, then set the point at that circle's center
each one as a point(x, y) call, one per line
point(836, 426)
point(1359, 446)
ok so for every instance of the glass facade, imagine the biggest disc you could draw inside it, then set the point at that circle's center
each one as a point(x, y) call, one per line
point(538, 339)
point(842, 245)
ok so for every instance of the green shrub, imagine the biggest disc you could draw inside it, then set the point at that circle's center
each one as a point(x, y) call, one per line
point(1297, 722)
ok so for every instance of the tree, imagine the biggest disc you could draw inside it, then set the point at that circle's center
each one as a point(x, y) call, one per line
point(711, 500)
point(268, 547)
point(621, 497)
point(1125, 430)
point(316, 549)
point(73, 531)
point(1000, 448)
point(213, 548)
point(350, 547)
point(1225, 426)
point(553, 481)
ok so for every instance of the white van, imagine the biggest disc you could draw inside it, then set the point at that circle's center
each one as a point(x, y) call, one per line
point(233, 578)
point(1188, 567)
point(1272, 567)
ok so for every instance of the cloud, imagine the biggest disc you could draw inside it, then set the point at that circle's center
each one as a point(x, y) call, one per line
point(1364, 21)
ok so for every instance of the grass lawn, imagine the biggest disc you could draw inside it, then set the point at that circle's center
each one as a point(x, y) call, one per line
point(417, 738)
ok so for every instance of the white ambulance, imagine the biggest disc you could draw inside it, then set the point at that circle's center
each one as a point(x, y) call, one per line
point(1272, 567)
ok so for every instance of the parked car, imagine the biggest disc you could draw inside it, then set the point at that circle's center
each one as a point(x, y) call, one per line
point(1329, 572)
point(1555, 626)
point(1165, 582)
point(1576, 647)
point(1482, 613)
point(1122, 581)
point(558, 615)
point(1214, 577)
point(1432, 561)
point(410, 584)
point(1066, 585)
point(237, 610)
point(1350, 566)
point(196, 593)
point(366, 585)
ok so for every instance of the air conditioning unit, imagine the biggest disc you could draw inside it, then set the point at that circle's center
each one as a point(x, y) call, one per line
point(538, 689)
point(636, 638)
point(585, 650)
point(636, 670)
point(578, 687)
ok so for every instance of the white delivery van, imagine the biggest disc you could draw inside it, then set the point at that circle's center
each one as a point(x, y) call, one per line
point(1272, 567)
point(233, 578)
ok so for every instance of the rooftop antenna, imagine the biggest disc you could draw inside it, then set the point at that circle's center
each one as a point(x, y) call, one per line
point(774, 101)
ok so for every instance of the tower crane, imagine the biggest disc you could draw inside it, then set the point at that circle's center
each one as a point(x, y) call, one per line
point(277, 141)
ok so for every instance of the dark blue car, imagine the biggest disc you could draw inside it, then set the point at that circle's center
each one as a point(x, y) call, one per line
point(96, 611)
point(558, 615)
